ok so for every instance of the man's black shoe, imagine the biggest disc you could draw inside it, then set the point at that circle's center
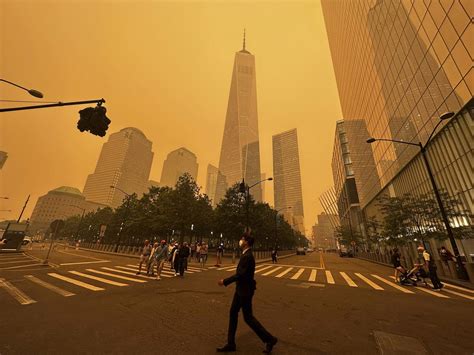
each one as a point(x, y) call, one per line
point(227, 349)
point(269, 346)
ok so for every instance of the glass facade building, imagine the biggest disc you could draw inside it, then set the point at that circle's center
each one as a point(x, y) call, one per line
point(240, 150)
point(287, 178)
point(399, 65)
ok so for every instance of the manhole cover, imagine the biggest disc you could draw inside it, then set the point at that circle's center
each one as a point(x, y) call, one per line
point(389, 344)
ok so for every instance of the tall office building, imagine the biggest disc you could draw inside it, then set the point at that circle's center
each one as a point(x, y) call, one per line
point(350, 162)
point(125, 162)
point(399, 65)
point(287, 177)
point(211, 182)
point(177, 163)
point(324, 232)
point(240, 150)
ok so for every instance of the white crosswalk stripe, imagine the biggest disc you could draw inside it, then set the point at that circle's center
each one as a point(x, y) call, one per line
point(458, 288)
point(394, 285)
point(329, 278)
point(298, 274)
point(284, 272)
point(16, 293)
point(131, 272)
point(116, 276)
point(272, 271)
point(313, 275)
point(348, 279)
point(100, 279)
point(76, 282)
point(49, 286)
point(369, 282)
point(231, 269)
point(459, 294)
point(189, 272)
point(262, 269)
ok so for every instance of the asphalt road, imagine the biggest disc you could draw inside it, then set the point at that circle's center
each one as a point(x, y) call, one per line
point(318, 303)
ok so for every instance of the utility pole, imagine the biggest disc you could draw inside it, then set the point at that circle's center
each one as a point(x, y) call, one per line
point(23, 210)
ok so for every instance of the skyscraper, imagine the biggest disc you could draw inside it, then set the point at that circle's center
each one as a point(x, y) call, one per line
point(125, 162)
point(399, 65)
point(177, 163)
point(3, 158)
point(240, 150)
point(211, 182)
point(287, 177)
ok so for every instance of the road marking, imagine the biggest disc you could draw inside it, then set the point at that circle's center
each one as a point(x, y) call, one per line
point(212, 267)
point(297, 275)
point(284, 272)
point(16, 293)
point(272, 271)
point(116, 276)
point(80, 256)
point(459, 294)
point(329, 278)
point(321, 261)
point(47, 285)
point(458, 288)
point(100, 279)
point(192, 268)
point(135, 271)
point(348, 279)
point(263, 268)
point(10, 258)
point(434, 293)
point(22, 260)
point(189, 272)
point(287, 265)
point(369, 282)
point(20, 266)
point(312, 277)
point(76, 282)
point(86, 262)
point(232, 269)
point(225, 267)
point(130, 273)
point(398, 287)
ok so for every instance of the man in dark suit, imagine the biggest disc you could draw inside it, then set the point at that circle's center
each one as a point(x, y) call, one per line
point(244, 291)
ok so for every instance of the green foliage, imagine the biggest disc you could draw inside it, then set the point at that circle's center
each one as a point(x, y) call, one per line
point(169, 213)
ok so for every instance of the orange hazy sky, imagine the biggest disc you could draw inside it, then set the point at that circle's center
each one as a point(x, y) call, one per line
point(163, 67)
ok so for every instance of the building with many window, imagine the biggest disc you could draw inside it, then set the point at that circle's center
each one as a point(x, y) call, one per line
point(177, 163)
point(60, 203)
point(240, 150)
point(287, 178)
point(124, 162)
point(324, 232)
point(211, 182)
point(399, 66)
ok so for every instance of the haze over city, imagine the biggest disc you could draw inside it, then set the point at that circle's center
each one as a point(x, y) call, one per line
point(166, 69)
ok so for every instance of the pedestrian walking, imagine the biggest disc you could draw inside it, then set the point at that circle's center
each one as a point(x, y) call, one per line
point(183, 254)
point(219, 253)
point(193, 250)
point(145, 254)
point(174, 259)
point(397, 265)
point(432, 269)
point(160, 256)
point(198, 251)
point(274, 255)
point(203, 254)
point(152, 260)
point(244, 291)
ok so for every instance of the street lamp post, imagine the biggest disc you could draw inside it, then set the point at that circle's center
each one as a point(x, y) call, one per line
point(125, 215)
point(32, 92)
point(444, 116)
point(244, 188)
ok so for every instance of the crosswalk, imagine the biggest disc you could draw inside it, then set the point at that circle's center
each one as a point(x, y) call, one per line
point(72, 282)
point(18, 261)
point(374, 282)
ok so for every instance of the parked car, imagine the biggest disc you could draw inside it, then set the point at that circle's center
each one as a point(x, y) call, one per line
point(300, 251)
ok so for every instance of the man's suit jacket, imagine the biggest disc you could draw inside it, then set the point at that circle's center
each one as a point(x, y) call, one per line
point(244, 276)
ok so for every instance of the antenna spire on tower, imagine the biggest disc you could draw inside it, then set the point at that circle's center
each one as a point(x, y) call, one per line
point(244, 40)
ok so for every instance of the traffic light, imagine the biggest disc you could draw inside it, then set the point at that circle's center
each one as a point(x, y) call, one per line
point(93, 120)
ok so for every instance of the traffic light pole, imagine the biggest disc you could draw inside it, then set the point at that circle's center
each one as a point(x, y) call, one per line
point(71, 103)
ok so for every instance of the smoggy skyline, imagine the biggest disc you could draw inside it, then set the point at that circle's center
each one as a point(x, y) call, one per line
point(166, 69)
